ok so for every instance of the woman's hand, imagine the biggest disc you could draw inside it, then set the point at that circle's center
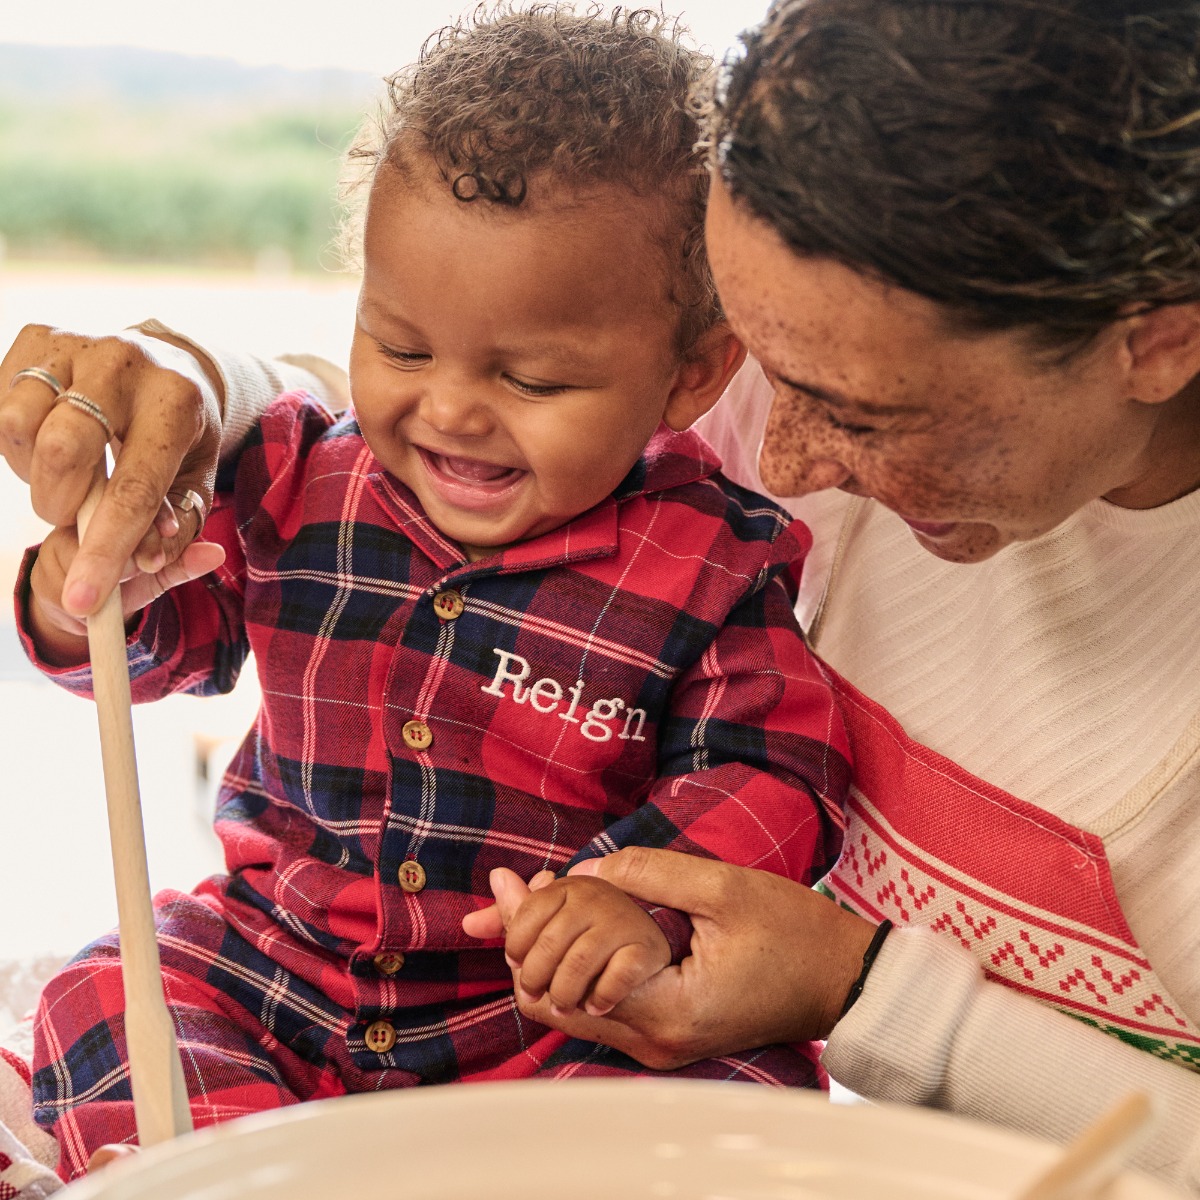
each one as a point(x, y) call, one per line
point(771, 961)
point(163, 405)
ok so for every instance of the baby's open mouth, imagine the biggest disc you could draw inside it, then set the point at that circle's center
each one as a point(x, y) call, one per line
point(471, 483)
point(473, 470)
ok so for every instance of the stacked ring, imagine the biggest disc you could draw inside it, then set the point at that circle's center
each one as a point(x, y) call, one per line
point(84, 404)
point(40, 374)
point(190, 501)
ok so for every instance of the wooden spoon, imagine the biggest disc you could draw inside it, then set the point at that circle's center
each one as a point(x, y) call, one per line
point(160, 1101)
point(1092, 1159)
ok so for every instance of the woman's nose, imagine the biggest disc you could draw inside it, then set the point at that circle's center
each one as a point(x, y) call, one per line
point(799, 479)
point(796, 456)
point(786, 475)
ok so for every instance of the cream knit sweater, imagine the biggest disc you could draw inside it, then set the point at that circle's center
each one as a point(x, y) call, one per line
point(1066, 671)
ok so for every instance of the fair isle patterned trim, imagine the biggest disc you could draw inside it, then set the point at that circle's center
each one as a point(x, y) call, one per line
point(1184, 1053)
point(1103, 981)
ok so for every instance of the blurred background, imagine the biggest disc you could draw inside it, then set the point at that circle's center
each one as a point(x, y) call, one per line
point(176, 161)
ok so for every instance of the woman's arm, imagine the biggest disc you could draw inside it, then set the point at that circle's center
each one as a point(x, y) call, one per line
point(773, 961)
point(930, 1029)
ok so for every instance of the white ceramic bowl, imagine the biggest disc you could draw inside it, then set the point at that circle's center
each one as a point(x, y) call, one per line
point(590, 1140)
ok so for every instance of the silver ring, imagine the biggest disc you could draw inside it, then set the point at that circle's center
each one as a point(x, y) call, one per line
point(40, 374)
point(189, 501)
point(80, 401)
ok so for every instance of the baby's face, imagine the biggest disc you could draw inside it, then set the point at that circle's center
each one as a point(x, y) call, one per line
point(510, 366)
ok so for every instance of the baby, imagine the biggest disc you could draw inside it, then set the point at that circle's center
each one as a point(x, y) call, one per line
point(505, 612)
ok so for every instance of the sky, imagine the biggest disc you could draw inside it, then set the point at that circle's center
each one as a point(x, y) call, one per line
point(367, 35)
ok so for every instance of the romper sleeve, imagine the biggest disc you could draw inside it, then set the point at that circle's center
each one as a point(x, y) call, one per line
point(734, 428)
point(930, 1029)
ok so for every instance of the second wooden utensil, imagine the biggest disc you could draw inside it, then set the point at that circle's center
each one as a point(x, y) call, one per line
point(156, 1072)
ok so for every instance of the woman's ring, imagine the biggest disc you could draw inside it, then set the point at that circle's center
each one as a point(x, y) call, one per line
point(84, 404)
point(40, 374)
point(190, 501)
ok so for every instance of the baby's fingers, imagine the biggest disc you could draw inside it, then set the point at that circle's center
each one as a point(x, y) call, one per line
point(577, 971)
point(491, 922)
point(526, 925)
point(486, 923)
point(103, 1156)
point(142, 589)
point(626, 971)
point(46, 581)
point(544, 934)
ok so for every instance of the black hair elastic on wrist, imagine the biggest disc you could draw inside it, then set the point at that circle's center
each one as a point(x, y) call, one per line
point(868, 961)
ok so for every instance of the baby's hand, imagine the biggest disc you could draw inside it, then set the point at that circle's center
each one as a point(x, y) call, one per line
point(60, 637)
point(580, 940)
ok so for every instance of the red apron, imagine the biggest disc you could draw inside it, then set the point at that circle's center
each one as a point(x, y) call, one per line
point(1029, 895)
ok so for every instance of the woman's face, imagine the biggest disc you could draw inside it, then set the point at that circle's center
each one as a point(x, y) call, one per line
point(975, 440)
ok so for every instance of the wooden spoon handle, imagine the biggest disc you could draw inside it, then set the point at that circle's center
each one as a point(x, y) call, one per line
point(1097, 1154)
point(160, 1100)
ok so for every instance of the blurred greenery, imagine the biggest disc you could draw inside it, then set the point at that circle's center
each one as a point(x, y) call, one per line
point(182, 182)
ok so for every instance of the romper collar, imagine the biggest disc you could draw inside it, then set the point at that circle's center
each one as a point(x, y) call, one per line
point(670, 460)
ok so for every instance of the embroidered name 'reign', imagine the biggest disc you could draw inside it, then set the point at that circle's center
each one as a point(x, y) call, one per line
point(547, 695)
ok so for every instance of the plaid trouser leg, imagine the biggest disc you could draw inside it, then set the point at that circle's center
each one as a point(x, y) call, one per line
point(775, 1066)
point(233, 1063)
point(254, 1035)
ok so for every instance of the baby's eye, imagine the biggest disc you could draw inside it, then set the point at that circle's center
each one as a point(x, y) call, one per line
point(406, 357)
point(536, 389)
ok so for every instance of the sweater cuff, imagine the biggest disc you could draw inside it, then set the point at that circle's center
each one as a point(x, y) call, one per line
point(895, 1042)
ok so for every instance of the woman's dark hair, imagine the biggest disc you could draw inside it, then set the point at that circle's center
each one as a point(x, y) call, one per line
point(517, 97)
point(1027, 163)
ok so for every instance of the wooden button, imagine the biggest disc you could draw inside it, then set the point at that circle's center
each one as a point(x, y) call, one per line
point(411, 875)
point(448, 604)
point(417, 735)
point(381, 1036)
point(389, 962)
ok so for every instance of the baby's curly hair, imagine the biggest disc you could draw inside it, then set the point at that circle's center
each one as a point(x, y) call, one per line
point(516, 99)
point(1028, 163)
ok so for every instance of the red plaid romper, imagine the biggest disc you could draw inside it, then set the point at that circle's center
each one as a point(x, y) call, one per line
point(634, 677)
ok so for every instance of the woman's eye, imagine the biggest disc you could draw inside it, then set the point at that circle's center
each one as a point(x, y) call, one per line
point(848, 427)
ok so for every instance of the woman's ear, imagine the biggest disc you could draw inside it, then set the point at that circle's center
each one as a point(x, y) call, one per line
point(1162, 351)
point(703, 375)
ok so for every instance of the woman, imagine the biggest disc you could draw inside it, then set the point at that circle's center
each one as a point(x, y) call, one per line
point(960, 237)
